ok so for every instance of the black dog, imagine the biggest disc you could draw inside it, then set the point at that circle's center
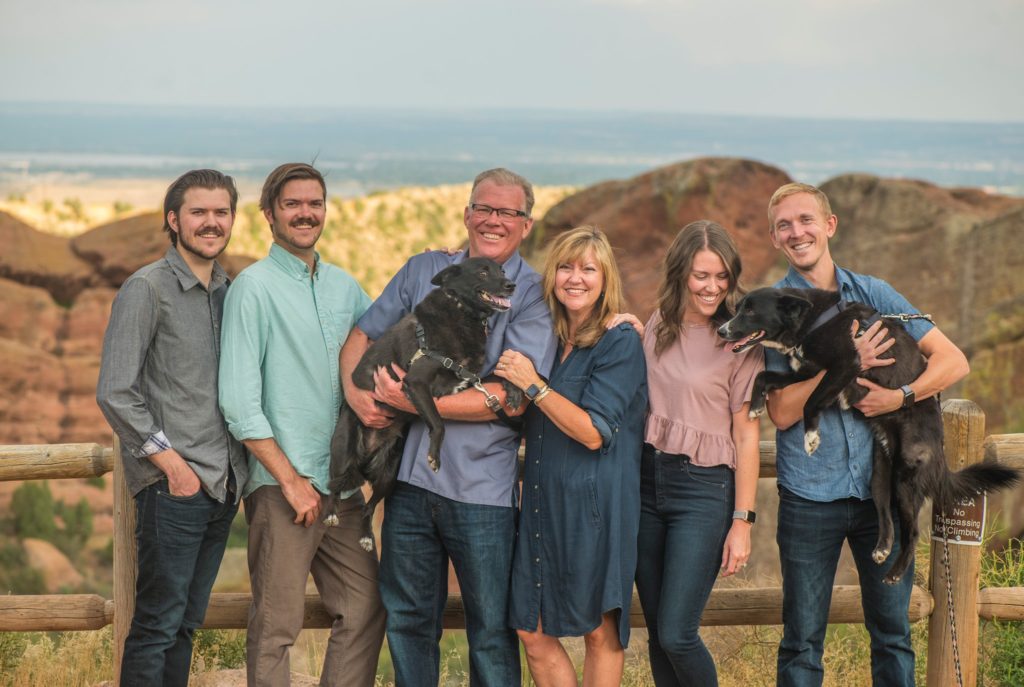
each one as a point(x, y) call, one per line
point(813, 327)
point(441, 346)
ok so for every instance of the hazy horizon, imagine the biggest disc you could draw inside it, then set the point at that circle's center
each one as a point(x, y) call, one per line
point(907, 60)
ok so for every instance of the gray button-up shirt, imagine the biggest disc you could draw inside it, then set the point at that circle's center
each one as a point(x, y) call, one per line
point(161, 352)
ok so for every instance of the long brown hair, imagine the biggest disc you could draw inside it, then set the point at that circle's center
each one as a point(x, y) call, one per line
point(572, 246)
point(672, 296)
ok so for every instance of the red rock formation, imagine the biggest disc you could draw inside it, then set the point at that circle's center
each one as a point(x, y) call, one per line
point(118, 249)
point(955, 253)
point(58, 573)
point(642, 215)
point(37, 259)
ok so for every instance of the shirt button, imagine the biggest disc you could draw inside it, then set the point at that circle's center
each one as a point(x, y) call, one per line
point(536, 462)
point(538, 585)
point(536, 486)
point(536, 560)
point(537, 536)
point(536, 510)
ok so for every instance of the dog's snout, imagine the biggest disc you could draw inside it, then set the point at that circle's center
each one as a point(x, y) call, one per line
point(723, 331)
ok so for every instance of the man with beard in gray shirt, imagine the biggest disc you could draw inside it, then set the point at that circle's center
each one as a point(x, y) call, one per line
point(158, 390)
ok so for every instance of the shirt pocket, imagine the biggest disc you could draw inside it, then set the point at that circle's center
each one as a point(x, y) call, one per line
point(571, 387)
point(341, 322)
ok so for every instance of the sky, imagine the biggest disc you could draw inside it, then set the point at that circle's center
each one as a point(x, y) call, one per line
point(947, 60)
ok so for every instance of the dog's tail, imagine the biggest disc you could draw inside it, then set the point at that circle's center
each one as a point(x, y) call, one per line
point(975, 479)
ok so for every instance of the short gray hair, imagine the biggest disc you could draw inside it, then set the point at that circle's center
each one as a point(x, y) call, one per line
point(505, 177)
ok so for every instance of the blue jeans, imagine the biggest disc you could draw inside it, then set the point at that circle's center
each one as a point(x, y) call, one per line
point(685, 515)
point(810, 537)
point(180, 545)
point(421, 532)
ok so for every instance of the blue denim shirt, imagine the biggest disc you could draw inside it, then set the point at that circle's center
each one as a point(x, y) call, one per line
point(478, 459)
point(841, 467)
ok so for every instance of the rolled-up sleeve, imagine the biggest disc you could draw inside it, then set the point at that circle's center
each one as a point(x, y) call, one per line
point(130, 331)
point(618, 372)
point(243, 343)
point(394, 303)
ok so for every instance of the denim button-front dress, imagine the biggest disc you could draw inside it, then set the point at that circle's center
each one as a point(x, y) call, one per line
point(575, 552)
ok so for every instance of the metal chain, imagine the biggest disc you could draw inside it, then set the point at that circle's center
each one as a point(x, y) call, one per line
point(949, 601)
point(906, 317)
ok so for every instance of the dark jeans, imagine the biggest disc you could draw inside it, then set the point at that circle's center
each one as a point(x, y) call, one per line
point(180, 545)
point(685, 515)
point(421, 531)
point(810, 537)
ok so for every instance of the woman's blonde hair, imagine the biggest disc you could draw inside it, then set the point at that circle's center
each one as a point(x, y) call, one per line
point(672, 296)
point(572, 246)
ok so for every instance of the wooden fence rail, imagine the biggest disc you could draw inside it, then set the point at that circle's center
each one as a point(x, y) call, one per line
point(965, 443)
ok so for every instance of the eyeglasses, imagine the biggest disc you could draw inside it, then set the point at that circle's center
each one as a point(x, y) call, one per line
point(484, 211)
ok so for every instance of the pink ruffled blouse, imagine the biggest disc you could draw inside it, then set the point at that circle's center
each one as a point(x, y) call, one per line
point(695, 386)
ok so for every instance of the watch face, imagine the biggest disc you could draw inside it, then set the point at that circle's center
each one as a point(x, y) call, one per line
point(531, 391)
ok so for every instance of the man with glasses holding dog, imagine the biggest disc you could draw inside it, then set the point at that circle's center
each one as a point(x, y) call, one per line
point(466, 511)
point(826, 499)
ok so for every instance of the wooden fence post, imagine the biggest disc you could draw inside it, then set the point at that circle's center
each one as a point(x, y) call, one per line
point(126, 566)
point(964, 426)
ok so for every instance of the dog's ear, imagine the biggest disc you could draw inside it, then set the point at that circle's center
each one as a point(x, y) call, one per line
point(444, 275)
point(793, 308)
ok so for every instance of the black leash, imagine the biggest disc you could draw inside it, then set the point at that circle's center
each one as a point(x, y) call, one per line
point(472, 378)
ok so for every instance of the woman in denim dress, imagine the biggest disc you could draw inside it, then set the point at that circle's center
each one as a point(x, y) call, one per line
point(575, 554)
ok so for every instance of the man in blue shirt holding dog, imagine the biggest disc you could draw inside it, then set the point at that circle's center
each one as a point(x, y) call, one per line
point(466, 511)
point(825, 499)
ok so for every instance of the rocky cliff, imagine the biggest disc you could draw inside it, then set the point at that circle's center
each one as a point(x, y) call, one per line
point(55, 296)
point(642, 215)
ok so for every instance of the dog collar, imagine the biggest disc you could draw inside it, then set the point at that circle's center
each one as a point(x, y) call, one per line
point(828, 315)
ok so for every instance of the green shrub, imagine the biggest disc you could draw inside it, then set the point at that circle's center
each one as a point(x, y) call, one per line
point(12, 646)
point(238, 535)
point(1002, 642)
point(218, 649)
point(16, 577)
point(32, 504)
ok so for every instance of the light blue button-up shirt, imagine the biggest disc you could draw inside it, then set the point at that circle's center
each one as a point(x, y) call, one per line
point(279, 374)
point(478, 459)
point(841, 467)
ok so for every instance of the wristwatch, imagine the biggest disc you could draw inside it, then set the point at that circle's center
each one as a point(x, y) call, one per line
point(533, 391)
point(908, 396)
point(744, 515)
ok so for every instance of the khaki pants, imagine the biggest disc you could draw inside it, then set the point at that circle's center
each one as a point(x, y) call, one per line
point(281, 556)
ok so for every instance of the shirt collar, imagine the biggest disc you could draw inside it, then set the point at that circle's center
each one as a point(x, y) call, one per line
point(184, 273)
point(510, 267)
point(293, 266)
point(796, 280)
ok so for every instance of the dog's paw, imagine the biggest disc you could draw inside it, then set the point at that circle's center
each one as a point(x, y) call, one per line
point(366, 543)
point(891, 579)
point(513, 395)
point(332, 520)
point(755, 412)
point(433, 462)
point(879, 555)
point(812, 440)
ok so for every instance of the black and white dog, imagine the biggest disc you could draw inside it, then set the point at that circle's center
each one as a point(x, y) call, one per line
point(813, 328)
point(441, 346)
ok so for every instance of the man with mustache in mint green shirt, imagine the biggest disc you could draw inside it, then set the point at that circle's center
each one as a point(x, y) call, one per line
point(285, 321)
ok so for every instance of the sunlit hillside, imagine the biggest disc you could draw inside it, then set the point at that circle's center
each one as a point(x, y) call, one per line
point(370, 236)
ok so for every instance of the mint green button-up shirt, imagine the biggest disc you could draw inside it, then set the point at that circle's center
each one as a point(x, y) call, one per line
point(281, 336)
